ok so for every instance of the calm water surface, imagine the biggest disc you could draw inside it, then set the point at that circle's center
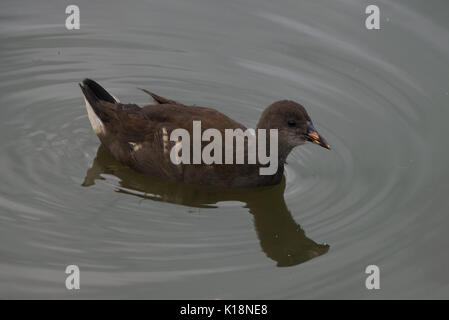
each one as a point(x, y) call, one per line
point(380, 196)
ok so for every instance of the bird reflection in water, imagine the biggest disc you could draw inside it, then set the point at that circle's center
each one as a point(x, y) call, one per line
point(281, 238)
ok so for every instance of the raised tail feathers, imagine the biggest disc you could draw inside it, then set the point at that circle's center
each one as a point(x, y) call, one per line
point(94, 95)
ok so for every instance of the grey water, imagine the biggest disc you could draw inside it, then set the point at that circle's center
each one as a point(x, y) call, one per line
point(379, 197)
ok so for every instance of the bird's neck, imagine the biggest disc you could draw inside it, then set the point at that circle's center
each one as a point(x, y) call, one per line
point(283, 150)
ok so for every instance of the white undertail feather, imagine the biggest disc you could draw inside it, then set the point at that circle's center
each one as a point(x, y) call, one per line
point(96, 123)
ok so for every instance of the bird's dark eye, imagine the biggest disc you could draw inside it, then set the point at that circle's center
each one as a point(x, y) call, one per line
point(291, 123)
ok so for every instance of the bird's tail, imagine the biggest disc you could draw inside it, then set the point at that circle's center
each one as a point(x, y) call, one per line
point(94, 94)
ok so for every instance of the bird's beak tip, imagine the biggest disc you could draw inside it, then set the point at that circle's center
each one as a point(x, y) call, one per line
point(315, 137)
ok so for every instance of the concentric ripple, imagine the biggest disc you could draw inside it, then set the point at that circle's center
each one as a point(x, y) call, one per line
point(378, 197)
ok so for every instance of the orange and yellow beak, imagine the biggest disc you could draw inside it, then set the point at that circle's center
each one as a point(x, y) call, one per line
point(314, 137)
